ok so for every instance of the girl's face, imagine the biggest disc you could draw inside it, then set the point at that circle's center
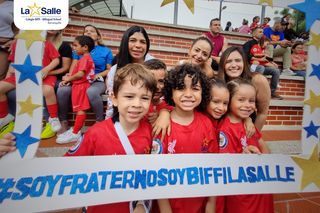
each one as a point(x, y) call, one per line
point(234, 65)
point(298, 49)
point(242, 104)
point(91, 32)
point(200, 52)
point(137, 47)
point(189, 97)
point(218, 104)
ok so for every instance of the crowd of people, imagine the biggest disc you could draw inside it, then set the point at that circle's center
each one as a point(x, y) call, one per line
point(214, 101)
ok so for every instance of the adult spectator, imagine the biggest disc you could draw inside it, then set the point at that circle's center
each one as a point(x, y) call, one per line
point(279, 46)
point(254, 46)
point(102, 58)
point(219, 42)
point(289, 33)
point(228, 27)
point(7, 32)
point(265, 23)
point(255, 23)
point(245, 27)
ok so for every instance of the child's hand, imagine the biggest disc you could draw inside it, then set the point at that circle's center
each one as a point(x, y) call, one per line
point(251, 150)
point(7, 144)
point(152, 117)
point(64, 83)
point(44, 73)
point(250, 128)
point(162, 124)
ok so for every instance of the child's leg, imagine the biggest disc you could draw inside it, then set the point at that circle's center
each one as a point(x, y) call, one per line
point(79, 122)
point(51, 100)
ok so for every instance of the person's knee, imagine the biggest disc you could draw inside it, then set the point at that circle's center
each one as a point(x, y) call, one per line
point(48, 91)
point(92, 93)
point(63, 91)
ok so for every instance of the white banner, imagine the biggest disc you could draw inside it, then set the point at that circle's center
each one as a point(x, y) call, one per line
point(35, 186)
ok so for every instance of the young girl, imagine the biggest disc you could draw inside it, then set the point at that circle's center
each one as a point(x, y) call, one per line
point(233, 139)
point(82, 74)
point(259, 56)
point(49, 62)
point(134, 87)
point(255, 23)
point(133, 48)
point(200, 54)
point(299, 59)
point(186, 88)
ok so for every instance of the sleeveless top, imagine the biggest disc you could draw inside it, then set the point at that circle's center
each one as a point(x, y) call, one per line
point(217, 42)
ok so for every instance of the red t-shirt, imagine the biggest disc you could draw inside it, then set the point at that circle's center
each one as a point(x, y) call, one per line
point(50, 53)
point(197, 137)
point(232, 137)
point(84, 64)
point(257, 49)
point(160, 106)
point(102, 139)
point(217, 42)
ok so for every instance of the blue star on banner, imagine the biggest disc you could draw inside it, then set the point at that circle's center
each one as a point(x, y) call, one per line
point(315, 71)
point(312, 130)
point(311, 10)
point(23, 140)
point(27, 70)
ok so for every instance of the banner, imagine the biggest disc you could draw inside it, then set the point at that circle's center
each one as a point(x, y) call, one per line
point(43, 184)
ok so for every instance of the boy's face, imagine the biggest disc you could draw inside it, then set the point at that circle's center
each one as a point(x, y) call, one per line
point(188, 98)
point(133, 103)
point(78, 48)
point(159, 76)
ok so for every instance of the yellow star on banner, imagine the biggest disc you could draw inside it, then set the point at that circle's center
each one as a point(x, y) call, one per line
point(30, 36)
point(27, 106)
point(310, 169)
point(315, 40)
point(189, 3)
point(34, 10)
point(269, 2)
point(313, 101)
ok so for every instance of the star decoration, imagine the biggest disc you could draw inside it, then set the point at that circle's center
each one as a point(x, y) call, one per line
point(27, 106)
point(312, 130)
point(30, 36)
point(27, 70)
point(315, 71)
point(313, 101)
point(23, 140)
point(311, 10)
point(310, 169)
point(189, 3)
point(269, 2)
point(314, 40)
point(34, 10)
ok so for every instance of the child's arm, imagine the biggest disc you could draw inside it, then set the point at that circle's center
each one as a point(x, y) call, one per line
point(162, 124)
point(263, 147)
point(49, 67)
point(211, 205)
point(7, 144)
point(164, 206)
point(66, 63)
point(249, 126)
point(74, 77)
point(10, 71)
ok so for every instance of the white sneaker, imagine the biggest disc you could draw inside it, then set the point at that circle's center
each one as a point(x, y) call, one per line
point(5, 120)
point(287, 72)
point(55, 124)
point(68, 137)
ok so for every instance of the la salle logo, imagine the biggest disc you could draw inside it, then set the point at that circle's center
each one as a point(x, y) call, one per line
point(36, 10)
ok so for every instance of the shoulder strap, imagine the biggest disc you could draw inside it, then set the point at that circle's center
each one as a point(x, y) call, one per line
point(124, 139)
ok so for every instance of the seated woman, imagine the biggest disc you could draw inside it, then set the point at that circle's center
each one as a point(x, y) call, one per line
point(199, 54)
point(298, 59)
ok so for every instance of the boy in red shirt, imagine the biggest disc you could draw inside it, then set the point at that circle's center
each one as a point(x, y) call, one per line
point(82, 73)
point(186, 88)
point(133, 89)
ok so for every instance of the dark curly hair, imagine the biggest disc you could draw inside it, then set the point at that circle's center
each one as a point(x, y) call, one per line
point(175, 81)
